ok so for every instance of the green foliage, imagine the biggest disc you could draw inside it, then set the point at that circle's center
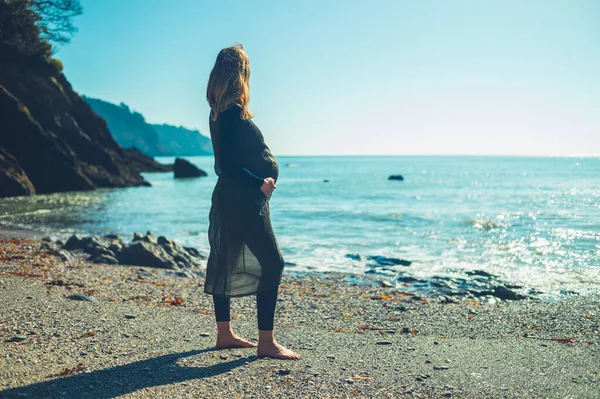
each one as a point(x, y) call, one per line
point(30, 25)
point(57, 64)
point(56, 19)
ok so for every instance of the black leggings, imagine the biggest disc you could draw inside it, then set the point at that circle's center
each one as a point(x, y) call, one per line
point(265, 307)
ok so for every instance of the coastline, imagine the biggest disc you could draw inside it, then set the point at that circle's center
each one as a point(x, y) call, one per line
point(7, 231)
point(142, 332)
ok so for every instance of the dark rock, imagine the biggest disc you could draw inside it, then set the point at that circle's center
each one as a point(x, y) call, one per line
point(105, 259)
point(130, 316)
point(325, 181)
point(83, 298)
point(164, 241)
point(513, 286)
point(354, 256)
point(407, 279)
point(61, 145)
point(13, 180)
point(115, 247)
point(96, 249)
point(141, 253)
point(396, 177)
point(440, 367)
point(383, 343)
point(74, 243)
point(149, 237)
point(194, 252)
point(145, 250)
point(283, 371)
point(183, 168)
point(481, 273)
point(18, 338)
point(504, 293)
point(47, 239)
point(384, 261)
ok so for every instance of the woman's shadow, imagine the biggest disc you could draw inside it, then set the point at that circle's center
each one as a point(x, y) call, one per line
point(120, 380)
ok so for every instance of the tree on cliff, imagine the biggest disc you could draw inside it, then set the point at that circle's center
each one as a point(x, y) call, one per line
point(56, 18)
point(31, 25)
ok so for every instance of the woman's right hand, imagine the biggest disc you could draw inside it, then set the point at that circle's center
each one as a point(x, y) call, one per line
point(268, 186)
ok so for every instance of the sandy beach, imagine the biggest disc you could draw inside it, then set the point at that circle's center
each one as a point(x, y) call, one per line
point(72, 329)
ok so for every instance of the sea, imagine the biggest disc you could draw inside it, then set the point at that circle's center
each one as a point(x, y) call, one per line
point(531, 221)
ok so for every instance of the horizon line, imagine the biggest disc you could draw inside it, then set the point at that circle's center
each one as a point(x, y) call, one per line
point(417, 155)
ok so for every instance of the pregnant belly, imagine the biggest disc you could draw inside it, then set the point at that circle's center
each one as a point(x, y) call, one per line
point(267, 167)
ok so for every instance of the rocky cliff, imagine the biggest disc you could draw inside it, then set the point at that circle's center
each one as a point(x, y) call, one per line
point(51, 140)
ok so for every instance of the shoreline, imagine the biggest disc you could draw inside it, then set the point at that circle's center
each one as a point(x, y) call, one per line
point(8, 231)
point(477, 285)
point(143, 332)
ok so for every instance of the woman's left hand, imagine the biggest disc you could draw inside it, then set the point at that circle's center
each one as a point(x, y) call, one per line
point(268, 186)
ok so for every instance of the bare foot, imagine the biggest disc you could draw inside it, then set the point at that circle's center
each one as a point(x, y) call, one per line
point(233, 341)
point(276, 351)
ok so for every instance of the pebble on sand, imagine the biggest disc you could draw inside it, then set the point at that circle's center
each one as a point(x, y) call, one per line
point(84, 298)
point(130, 316)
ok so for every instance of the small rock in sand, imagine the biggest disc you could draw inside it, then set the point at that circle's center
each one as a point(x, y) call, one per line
point(18, 338)
point(84, 298)
point(440, 367)
point(283, 371)
point(130, 316)
point(383, 343)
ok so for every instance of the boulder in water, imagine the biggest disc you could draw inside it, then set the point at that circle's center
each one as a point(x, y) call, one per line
point(396, 177)
point(384, 261)
point(183, 168)
point(505, 293)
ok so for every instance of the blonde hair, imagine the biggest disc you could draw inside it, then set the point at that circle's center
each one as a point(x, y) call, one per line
point(229, 82)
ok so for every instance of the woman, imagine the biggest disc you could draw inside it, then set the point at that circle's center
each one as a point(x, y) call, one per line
point(244, 256)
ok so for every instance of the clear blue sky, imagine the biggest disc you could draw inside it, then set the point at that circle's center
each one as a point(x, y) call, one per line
point(360, 77)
